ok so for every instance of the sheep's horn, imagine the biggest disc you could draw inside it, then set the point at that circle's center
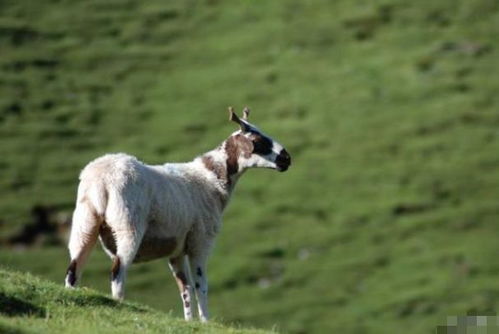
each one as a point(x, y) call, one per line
point(246, 112)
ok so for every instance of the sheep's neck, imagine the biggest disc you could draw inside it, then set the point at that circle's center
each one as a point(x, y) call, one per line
point(215, 164)
point(224, 165)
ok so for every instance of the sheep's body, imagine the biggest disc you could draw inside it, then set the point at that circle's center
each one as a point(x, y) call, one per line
point(142, 212)
point(162, 202)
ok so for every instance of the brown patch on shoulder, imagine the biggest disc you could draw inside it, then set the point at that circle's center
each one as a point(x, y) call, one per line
point(232, 154)
point(217, 169)
point(236, 146)
point(152, 248)
point(115, 269)
point(220, 171)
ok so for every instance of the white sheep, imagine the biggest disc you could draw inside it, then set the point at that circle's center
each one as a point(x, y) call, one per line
point(142, 212)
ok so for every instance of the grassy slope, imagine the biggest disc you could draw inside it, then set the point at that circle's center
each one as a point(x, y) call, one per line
point(389, 109)
point(29, 304)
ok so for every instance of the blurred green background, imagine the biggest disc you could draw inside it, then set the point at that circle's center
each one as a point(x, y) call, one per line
point(388, 218)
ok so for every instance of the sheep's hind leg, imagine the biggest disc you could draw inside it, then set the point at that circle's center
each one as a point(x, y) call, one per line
point(127, 244)
point(180, 271)
point(84, 232)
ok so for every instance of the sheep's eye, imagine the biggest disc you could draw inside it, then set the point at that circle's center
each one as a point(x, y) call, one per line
point(262, 145)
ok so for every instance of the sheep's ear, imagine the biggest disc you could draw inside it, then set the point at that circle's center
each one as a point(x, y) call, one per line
point(234, 118)
point(246, 112)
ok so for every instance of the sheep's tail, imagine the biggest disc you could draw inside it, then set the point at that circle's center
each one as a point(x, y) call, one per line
point(87, 219)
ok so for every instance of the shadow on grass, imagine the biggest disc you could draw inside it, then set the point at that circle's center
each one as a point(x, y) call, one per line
point(10, 330)
point(11, 306)
point(100, 301)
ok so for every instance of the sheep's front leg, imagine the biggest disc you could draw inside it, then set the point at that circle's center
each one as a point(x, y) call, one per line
point(198, 270)
point(180, 271)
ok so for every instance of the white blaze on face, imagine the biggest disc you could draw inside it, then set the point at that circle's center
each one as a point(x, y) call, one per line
point(277, 148)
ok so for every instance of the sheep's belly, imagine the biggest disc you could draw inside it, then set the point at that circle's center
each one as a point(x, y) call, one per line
point(153, 247)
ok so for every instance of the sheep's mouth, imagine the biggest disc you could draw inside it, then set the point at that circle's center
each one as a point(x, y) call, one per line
point(283, 161)
point(282, 167)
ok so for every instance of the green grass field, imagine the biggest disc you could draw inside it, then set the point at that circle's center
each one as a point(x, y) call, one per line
point(32, 305)
point(387, 219)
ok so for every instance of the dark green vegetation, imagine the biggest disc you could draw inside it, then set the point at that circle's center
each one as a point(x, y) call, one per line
point(387, 219)
point(31, 305)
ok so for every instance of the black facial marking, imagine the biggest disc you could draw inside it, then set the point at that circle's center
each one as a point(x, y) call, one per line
point(197, 285)
point(199, 272)
point(261, 144)
point(283, 160)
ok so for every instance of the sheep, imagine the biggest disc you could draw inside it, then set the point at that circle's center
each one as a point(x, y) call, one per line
point(143, 212)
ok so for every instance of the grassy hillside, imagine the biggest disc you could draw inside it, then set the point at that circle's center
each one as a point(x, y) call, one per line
point(29, 304)
point(387, 218)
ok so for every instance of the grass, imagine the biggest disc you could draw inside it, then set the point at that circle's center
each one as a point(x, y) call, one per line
point(29, 304)
point(387, 218)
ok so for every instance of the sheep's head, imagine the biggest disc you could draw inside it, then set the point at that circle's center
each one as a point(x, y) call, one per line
point(250, 147)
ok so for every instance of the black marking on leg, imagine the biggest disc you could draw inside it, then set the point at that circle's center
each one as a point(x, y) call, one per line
point(197, 285)
point(71, 273)
point(181, 277)
point(199, 272)
point(184, 298)
point(115, 270)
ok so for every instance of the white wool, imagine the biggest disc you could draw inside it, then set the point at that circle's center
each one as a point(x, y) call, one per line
point(141, 212)
point(164, 201)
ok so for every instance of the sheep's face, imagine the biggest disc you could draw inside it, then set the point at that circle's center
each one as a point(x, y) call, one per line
point(264, 151)
point(256, 149)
